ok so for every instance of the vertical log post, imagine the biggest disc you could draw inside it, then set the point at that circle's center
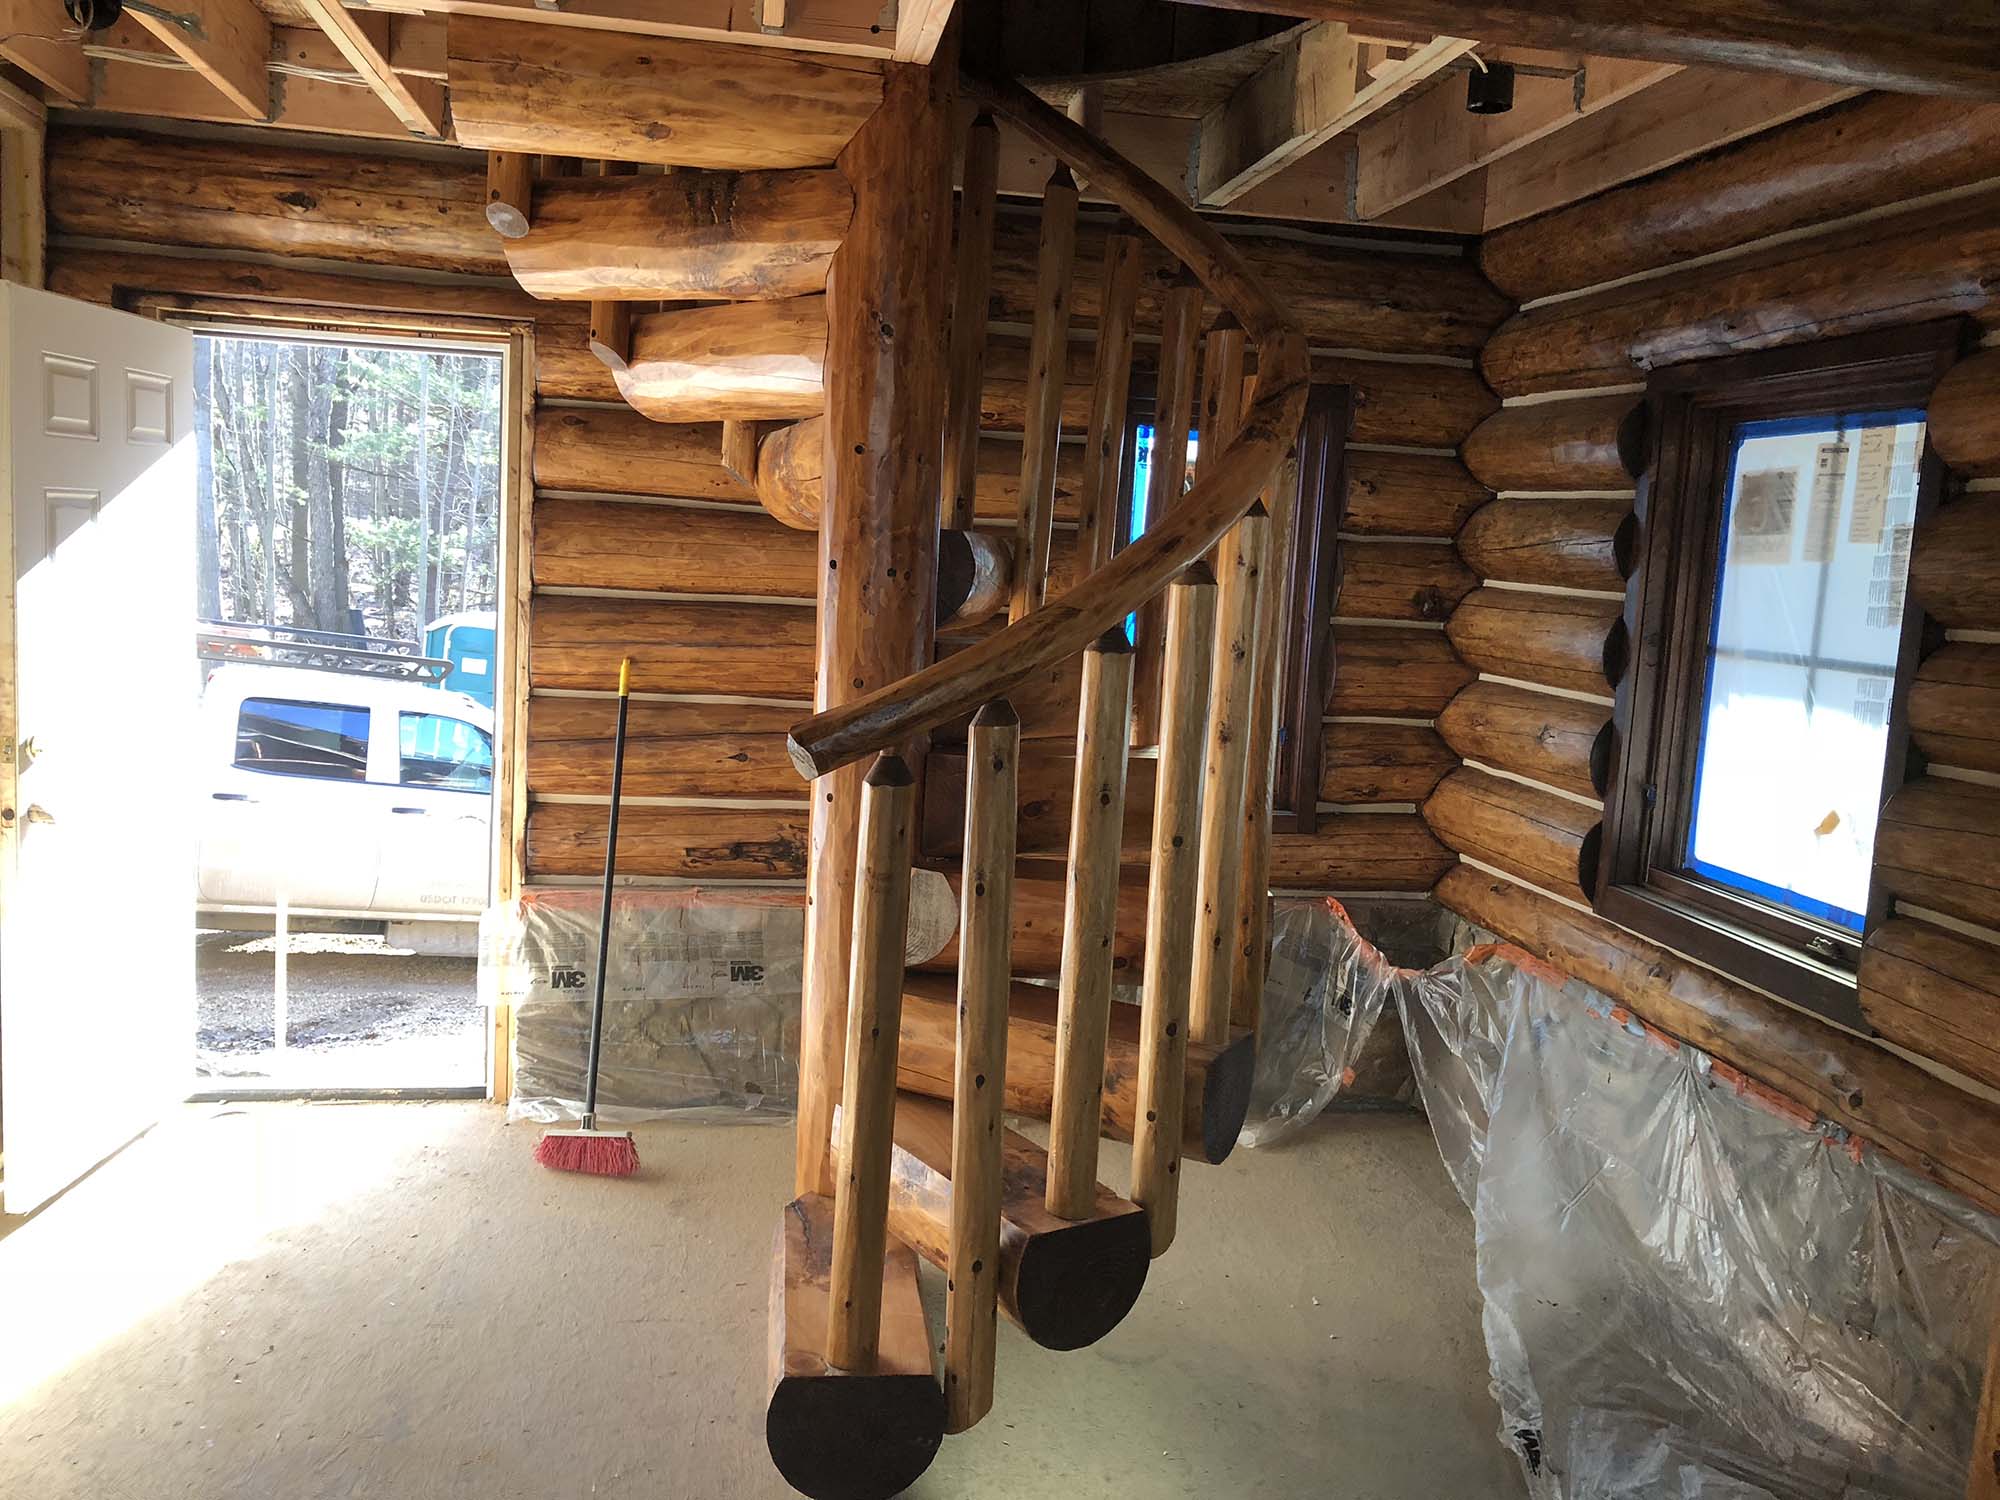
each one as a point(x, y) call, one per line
point(973, 280)
point(1242, 557)
point(1983, 1481)
point(878, 526)
point(1048, 363)
point(1170, 900)
point(1090, 917)
point(1173, 414)
point(868, 1100)
point(979, 1080)
point(1110, 393)
point(510, 192)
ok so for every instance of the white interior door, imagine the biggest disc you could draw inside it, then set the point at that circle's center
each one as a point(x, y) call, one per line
point(96, 724)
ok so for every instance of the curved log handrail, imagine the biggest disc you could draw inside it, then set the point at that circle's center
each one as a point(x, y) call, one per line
point(1228, 483)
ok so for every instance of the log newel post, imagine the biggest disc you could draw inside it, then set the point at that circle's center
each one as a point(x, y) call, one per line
point(968, 320)
point(878, 527)
point(1048, 364)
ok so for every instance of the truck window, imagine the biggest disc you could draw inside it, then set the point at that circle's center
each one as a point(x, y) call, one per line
point(444, 752)
point(324, 740)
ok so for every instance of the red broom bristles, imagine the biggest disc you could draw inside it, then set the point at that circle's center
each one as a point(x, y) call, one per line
point(606, 1154)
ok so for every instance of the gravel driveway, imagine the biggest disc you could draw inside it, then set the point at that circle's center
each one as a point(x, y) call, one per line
point(360, 1012)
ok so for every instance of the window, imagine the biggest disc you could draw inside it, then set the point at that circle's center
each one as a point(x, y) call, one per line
point(1760, 728)
point(1306, 612)
point(286, 738)
point(439, 751)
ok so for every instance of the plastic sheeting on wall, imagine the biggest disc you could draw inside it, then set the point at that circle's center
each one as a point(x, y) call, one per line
point(1692, 1287)
point(701, 1005)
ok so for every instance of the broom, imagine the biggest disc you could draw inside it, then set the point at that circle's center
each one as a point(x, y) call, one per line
point(603, 1153)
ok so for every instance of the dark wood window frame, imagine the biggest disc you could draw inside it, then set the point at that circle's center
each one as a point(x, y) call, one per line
point(1306, 611)
point(1694, 410)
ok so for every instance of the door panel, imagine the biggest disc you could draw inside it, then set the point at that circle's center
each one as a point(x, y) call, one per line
point(96, 723)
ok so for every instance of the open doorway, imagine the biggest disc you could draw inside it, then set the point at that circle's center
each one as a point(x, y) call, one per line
point(348, 508)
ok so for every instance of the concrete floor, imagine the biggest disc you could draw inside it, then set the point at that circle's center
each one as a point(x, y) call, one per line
point(391, 1300)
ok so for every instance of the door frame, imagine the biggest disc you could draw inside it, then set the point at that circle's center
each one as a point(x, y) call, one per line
point(514, 339)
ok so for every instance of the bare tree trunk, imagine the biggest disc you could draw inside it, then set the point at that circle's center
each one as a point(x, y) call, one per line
point(336, 486)
point(299, 579)
point(208, 539)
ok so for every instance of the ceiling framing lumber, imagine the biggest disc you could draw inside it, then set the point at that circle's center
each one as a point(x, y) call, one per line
point(1695, 111)
point(1435, 140)
point(228, 42)
point(40, 42)
point(851, 27)
point(418, 103)
point(1322, 84)
point(1911, 47)
point(326, 106)
point(919, 26)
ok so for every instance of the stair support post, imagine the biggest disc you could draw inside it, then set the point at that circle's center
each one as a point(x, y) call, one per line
point(970, 286)
point(979, 1080)
point(1170, 900)
point(878, 524)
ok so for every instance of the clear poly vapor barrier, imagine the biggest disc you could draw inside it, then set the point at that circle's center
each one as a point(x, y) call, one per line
point(1693, 1289)
point(701, 1002)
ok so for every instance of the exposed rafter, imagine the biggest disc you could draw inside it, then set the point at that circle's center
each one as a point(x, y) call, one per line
point(39, 41)
point(1912, 47)
point(1683, 116)
point(1435, 140)
point(228, 42)
point(1324, 83)
point(364, 41)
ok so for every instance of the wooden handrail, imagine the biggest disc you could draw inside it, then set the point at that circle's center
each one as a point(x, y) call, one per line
point(1227, 484)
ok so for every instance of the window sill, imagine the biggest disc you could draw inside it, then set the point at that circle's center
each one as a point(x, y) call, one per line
point(1737, 952)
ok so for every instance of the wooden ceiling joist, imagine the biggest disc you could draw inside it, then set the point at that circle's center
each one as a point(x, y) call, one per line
point(1692, 112)
point(228, 42)
point(1912, 47)
point(1435, 139)
point(1324, 83)
point(38, 39)
point(365, 42)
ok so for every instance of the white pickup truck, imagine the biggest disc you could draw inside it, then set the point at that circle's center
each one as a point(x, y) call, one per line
point(346, 795)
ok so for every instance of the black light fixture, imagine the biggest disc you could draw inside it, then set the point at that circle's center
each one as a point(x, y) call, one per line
point(93, 15)
point(1489, 88)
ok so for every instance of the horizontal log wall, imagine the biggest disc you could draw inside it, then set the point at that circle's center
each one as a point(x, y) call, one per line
point(1679, 267)
point(644, 543)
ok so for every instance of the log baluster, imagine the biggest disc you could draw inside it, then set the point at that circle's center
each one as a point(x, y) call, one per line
point(968, 321)
point(1242, 558)
point(1173, 415)
point(1170, 899)
point(1048, 360)
point(1253, 897)
point(868, 1095)
point(1220, 410)
point(980, 1071)
point(1090, 916)
point(1110, 392)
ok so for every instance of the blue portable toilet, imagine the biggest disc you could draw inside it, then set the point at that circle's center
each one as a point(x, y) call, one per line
point(467, 641)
